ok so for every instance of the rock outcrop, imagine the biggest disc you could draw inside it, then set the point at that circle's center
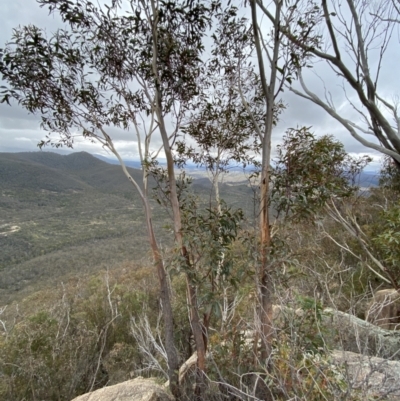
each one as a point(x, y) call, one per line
point(346, 332)
point(374, 377)
point(384, 310)
point(138, 389)
point(349, 333)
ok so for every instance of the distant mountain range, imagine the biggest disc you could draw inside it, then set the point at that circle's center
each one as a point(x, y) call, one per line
point(128, 163)
point(365, 180)
point(54, 172)
point(368, 179)
point(188, 166)
point(81, 170)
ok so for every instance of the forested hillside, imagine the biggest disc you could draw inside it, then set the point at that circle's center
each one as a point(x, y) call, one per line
point(61, 215)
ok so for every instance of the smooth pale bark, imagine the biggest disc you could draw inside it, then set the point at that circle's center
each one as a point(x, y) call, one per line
point(195, 321)
point(165, 295)
point(265, 279)
point(191, 289)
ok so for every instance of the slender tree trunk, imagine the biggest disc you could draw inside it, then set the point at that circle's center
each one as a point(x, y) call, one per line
point(266, 285)
point(165, 295)
point(198, 330)
point(265, 278)
point(215, 183)
point(265, 282)
point(195, 321)
point(191, 289)
point(172, 355)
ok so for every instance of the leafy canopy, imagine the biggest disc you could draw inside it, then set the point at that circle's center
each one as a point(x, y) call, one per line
point(309, 171)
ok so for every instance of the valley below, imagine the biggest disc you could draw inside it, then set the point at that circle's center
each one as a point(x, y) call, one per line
point(62, 216)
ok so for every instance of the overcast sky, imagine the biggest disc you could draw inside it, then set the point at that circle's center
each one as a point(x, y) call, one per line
point(21, 132)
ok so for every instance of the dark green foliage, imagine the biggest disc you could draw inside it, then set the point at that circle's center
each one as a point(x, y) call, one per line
point(80, 78)
point(309, 171)
point(387, 238)
point(390, 175)
point(209, 235)
point(310, 337)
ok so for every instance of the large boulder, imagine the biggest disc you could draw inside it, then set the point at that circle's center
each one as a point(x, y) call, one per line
point(374, 377)
point(138, 389)
point(349, 333)
point(384, 310)
point(340, 330)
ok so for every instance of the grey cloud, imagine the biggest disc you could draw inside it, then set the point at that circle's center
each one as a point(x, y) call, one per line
point(23, 139)
point(25, 12)
point(14, 117)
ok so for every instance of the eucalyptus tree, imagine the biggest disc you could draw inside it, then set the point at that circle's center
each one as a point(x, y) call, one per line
point(119, 65)
point(219, 133)
point(353, 39)
point(276, 67)
point(309, 172)
point(222, 125)
point(315, 179)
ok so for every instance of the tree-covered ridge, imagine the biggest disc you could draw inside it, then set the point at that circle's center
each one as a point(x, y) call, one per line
point(75, 206)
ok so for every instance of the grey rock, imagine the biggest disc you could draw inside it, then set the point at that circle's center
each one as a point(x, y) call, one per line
point(349, 333)
point(372, 376)
point(384, 310)
point(138, 389)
